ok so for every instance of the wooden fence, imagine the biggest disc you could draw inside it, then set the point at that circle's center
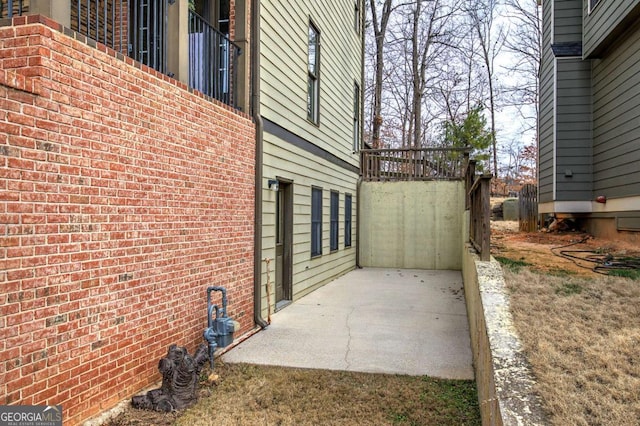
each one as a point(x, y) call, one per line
point(478, 190)
point(528, 208)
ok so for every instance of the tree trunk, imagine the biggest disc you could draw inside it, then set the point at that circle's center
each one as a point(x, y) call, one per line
point(379, 31)
point(417, 86)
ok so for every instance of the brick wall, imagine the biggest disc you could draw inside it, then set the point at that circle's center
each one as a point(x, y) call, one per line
point(123, 196)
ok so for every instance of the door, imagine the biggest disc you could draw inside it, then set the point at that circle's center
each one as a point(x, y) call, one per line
point(284, 232)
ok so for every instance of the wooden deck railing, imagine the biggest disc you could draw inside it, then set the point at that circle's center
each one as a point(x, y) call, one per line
point(413, 164)
point(479, 206)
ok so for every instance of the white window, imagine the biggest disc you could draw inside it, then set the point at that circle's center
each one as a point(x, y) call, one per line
point(313, 89)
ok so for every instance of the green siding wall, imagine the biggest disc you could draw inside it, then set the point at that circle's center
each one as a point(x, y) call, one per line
point(284, 160)
point(573, 130)
point(616, 115)
point(545, 121)
point(590, 107)
point(567, 21)
point(297, 150)
point(605, 22)
point(283, 71)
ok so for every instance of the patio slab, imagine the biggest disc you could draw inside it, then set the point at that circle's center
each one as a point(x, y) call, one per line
point(376, 320)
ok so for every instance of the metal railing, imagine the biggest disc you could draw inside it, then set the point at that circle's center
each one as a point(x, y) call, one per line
point(413, 164)
point(11, 8)
point(212, 60)
point(135, 28)
point(147, 30)
point(104, 21)
point(138, 29)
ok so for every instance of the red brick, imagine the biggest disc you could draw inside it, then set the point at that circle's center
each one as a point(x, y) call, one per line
point(115, 219)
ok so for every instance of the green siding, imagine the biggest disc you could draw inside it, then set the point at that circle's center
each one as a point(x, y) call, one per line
point(616, 115)
point(605, 23)
point(545, 121)
point(300, 151)
point(284, 32)
point(286, 161)
point(590, 108)
point(573, 130)
point(567, 21)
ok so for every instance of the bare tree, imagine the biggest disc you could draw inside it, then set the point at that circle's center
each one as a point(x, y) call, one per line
point(431, 62)
point(524, 43)
point(425, 36)
point(379, 25)
point(491, 38)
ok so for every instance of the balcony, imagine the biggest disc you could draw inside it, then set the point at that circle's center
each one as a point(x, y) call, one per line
point(212, 60)
point(150, 32)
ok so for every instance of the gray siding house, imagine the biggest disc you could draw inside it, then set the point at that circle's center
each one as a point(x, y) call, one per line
point(589, 124)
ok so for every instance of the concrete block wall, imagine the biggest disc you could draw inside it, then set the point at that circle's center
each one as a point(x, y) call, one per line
point(123, 196)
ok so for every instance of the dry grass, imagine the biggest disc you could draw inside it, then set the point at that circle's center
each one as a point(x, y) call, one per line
point(581, 336)
point(260, 395)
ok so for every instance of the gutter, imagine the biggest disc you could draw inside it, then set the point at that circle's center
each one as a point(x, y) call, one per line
point(255, 112)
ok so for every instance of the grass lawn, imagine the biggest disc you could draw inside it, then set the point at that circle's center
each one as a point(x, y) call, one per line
point(581, 336)
point(261, 395)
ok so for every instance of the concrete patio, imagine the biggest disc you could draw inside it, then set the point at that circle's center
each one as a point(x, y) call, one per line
point(378, 320)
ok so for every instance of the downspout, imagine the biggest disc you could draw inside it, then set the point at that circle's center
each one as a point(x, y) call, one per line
point(257, 118)
point(360, 142)
point(358, 185)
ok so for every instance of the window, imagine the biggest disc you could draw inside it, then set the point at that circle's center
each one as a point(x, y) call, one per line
point(356, 17)
point(593, 4)
point(347, 220)
point(356, 117)
point(333, 244)
point(316, 222)
point(313, 91)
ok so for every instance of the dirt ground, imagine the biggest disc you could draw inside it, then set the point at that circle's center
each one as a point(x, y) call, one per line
point(556, 252)
point(574, 252)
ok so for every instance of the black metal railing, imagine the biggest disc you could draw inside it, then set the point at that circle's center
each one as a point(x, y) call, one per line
point(135, 28)
point(11, 8)
point(138, 29)
point(212, 60)
point(413, 164)
point(147, 21)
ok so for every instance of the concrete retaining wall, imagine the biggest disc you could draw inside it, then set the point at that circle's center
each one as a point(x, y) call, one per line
point(503, 378)
point(412, 225)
